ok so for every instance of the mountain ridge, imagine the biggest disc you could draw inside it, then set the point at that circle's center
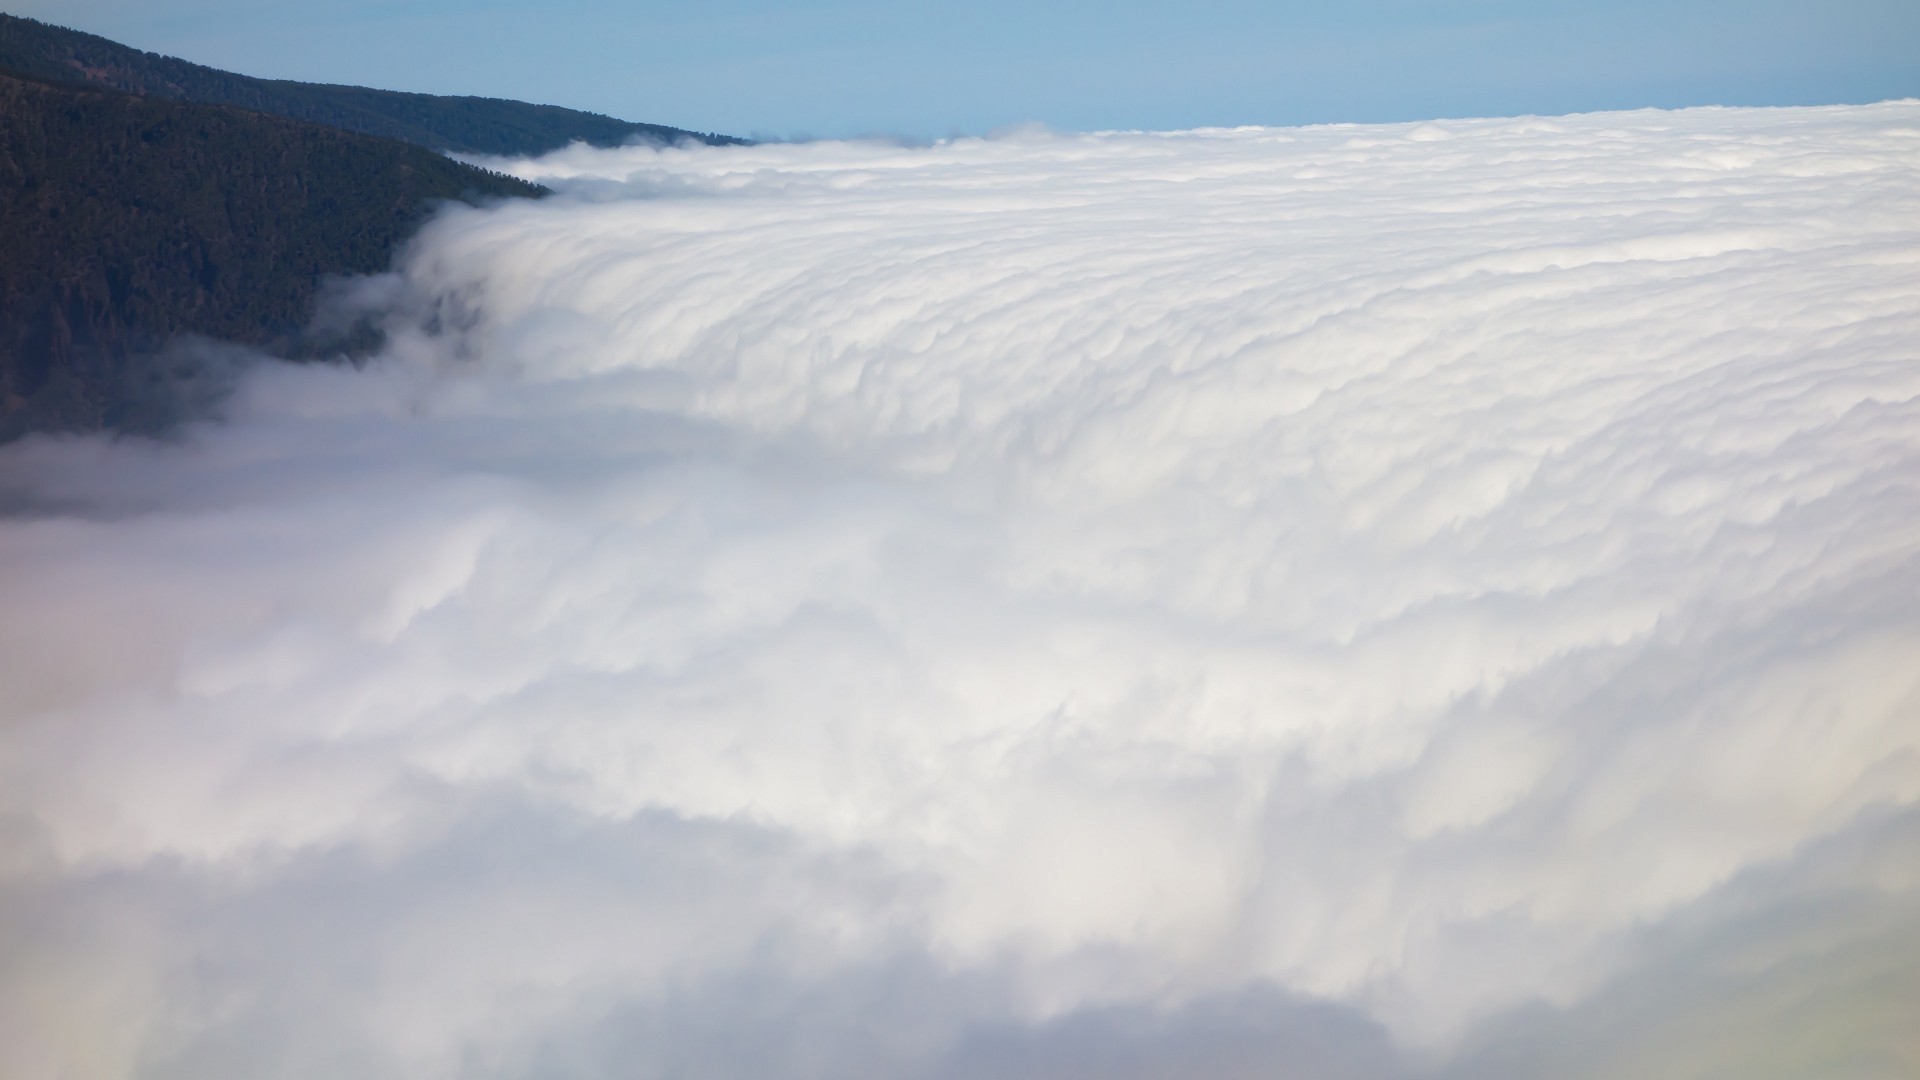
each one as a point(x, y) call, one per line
point(133, 222)
point(447, 124)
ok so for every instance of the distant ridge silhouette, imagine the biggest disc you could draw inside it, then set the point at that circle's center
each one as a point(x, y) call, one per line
point(463, 125)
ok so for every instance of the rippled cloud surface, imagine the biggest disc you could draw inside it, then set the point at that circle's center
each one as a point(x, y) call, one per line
point(1364, 602)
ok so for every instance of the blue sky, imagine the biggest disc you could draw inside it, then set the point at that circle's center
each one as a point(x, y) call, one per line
point(928, 69)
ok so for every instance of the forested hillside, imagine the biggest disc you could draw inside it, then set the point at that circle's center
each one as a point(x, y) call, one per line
point(129, 221)
point(468, 125)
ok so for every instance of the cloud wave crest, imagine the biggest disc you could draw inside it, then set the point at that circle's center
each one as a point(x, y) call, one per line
point(1047, 604)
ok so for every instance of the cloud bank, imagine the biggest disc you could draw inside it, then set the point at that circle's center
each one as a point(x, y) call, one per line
point(1363, 602)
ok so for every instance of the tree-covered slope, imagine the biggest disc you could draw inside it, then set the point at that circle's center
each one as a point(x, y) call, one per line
point(129, 221)
point(468, 125)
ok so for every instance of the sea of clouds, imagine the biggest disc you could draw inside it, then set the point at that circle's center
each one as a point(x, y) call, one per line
point(1364, 602)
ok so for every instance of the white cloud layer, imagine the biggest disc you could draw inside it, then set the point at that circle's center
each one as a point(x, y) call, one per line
point(1343, 602)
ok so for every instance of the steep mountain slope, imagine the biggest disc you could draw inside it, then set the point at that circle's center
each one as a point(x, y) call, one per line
point(129, 221)
point(470, 125)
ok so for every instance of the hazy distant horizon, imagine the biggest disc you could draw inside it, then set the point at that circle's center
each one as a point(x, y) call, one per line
point(763, 69)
